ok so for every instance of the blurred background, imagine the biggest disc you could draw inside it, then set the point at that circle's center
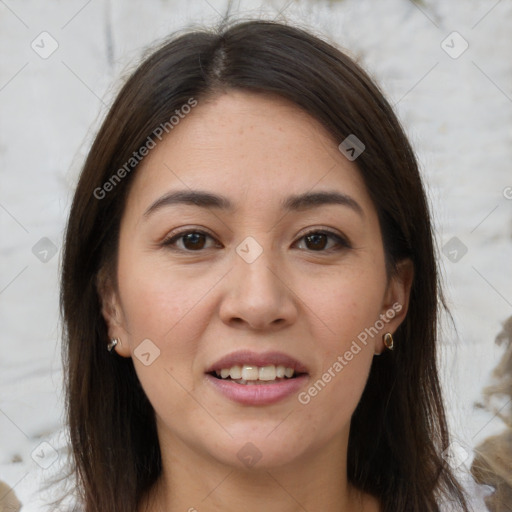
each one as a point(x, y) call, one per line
point(444, 66)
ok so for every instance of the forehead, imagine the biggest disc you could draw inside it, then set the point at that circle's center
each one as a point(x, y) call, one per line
point(250, 147)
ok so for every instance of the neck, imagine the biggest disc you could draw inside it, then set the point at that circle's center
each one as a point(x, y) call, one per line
point(194, 482)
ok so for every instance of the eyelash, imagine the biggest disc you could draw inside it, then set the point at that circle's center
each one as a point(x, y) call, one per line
point(342, 243)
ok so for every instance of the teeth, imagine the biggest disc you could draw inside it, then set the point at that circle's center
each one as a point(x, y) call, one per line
point(268, 373)
point(235, 372)
point(249, 373)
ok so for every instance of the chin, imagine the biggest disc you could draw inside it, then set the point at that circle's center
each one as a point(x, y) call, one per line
point(259, 449)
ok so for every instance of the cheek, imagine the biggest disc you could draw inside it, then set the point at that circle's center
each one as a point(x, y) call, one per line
point(348, 305)
point(332, 395)
point(170, 308)
point(157, 300)
point(166, 307)
point(348, 302)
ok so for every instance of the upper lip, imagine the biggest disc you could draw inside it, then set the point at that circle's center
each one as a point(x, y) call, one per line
point(247, 357)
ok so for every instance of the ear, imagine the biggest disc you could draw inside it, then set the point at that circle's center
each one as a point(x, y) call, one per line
point(112, 312)
point(396, 300)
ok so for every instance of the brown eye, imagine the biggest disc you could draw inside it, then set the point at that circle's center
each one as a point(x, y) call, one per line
point(322, 241)
point(190, 241)
point(193, 241)
point(316, 241)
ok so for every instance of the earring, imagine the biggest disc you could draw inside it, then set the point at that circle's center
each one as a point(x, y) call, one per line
point(112, 344)
point(388, 340)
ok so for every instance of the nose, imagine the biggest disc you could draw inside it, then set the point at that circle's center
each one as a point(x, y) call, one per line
point(257, 295)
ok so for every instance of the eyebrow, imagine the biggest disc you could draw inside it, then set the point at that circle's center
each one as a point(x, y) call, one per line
point(299, 202)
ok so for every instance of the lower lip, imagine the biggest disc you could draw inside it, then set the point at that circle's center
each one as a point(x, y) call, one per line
point(257, 394)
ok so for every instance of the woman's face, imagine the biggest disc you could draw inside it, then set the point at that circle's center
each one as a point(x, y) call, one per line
point(277, 265)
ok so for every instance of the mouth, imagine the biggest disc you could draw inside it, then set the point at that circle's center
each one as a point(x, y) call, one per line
point(248, 374)
point(257, 379)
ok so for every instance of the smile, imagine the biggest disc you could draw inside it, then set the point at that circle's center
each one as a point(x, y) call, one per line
point(250, 374)
point(250, 378)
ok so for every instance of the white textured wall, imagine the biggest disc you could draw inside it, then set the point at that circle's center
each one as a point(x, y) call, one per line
point(457, 111)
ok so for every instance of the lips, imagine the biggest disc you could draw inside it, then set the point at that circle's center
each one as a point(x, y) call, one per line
point(249, 358)
point(259, 379)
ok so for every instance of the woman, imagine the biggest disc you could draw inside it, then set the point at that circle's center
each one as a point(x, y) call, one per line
point(249, 289)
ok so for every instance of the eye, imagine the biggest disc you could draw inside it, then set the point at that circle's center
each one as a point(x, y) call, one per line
point(319, 240)
point(193, 240)
point(196, 240)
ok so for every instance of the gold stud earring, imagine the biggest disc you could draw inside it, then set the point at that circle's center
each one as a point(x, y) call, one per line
point(388, 341)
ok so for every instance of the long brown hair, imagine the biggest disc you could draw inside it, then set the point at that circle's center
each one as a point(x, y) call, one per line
point(398, 430)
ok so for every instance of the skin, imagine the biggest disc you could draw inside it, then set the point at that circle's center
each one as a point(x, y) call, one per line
point(199, 305)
